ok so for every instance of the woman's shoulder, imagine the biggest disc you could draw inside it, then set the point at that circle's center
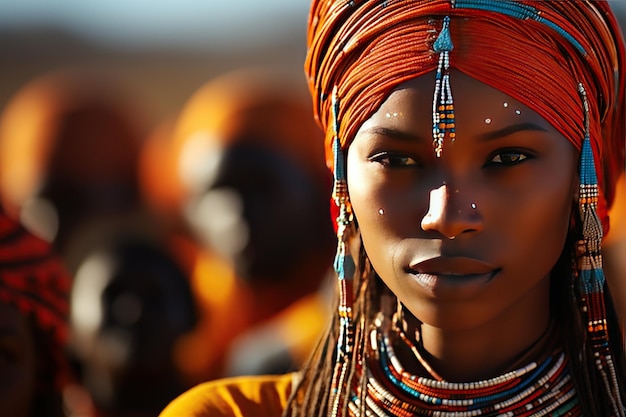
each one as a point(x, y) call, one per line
point(259, 396)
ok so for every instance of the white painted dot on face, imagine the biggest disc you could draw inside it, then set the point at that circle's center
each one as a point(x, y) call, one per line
point(474, 206)
point(518, 112)
point(381, 211)
point(506, 105)
point(488, 121)
point(390, 115)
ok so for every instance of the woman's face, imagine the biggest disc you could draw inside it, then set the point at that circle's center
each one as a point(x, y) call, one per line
point(466, 237)
point(18, 364)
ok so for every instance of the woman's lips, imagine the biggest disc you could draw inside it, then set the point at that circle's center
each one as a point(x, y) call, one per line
point(453, 278)
point(442, 265)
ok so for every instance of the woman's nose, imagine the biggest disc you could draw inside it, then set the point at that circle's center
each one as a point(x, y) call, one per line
point(450, 214)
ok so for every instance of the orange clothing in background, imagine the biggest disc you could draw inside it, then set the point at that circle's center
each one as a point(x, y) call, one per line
point(231, 325)
point(258, 396)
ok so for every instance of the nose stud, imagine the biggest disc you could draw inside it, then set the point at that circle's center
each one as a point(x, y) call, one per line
point(474, 207)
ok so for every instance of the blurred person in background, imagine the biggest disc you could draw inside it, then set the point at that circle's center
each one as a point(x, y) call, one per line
point(163, 193)
point(614, 250)
point(130, 303)
point(34, 287)
point(253, 189)
point(69, 143)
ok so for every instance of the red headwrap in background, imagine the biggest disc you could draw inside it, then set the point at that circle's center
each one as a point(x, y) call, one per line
point(34, 280)
point(367, 48)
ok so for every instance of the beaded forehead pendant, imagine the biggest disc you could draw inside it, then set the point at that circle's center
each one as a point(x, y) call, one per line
point(443, 104)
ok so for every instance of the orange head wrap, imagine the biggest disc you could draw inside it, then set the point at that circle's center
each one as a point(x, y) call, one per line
point(367, 48)
point(68, 126)
point(259, 106)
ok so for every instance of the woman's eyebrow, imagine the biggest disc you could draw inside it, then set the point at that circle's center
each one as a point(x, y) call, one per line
point(509, 130)
point(393, 133)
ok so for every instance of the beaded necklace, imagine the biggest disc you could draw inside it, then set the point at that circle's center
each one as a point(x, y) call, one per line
point(536, 389)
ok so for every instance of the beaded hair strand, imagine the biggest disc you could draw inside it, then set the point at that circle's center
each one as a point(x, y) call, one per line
point(345, 269)
point(443, 103)
point(591, 280)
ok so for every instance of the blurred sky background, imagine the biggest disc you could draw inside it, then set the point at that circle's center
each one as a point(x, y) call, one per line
point(163, 49)
point(144, 22)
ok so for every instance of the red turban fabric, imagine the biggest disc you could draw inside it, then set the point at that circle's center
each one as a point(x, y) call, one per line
point(34, 280)
point(367, 48)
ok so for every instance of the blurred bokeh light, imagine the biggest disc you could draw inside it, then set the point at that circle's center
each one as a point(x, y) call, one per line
point(162, 49)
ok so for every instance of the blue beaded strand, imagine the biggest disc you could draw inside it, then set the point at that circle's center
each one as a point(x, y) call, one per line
point(518, 11)
point(443, 103)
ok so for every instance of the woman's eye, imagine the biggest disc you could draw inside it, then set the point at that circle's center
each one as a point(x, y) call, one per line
point(393, 160)
point(508, 158)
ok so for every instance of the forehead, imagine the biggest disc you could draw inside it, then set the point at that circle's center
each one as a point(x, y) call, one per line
point(474, 101)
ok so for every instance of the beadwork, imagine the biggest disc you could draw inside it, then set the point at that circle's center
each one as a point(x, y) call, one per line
point(518, 11)
point(344, 266)
point(443, 103)
point(591, 276)
point(544, 388)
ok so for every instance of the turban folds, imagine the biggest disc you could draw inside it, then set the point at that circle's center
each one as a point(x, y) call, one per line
point(367, 48)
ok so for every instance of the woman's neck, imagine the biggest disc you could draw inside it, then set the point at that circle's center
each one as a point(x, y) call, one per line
point(491, 349)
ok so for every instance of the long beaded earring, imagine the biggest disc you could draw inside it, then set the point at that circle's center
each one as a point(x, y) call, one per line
point(344, 266)
point(591, 276)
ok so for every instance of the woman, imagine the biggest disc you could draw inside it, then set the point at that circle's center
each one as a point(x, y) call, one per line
point(475, 146)
point(69, 147)
point(249, 161)
point(130, 305)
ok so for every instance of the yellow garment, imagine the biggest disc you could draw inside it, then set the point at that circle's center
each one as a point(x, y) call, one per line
point(248, 396)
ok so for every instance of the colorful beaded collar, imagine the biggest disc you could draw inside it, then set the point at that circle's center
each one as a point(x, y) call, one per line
point(536, 389)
